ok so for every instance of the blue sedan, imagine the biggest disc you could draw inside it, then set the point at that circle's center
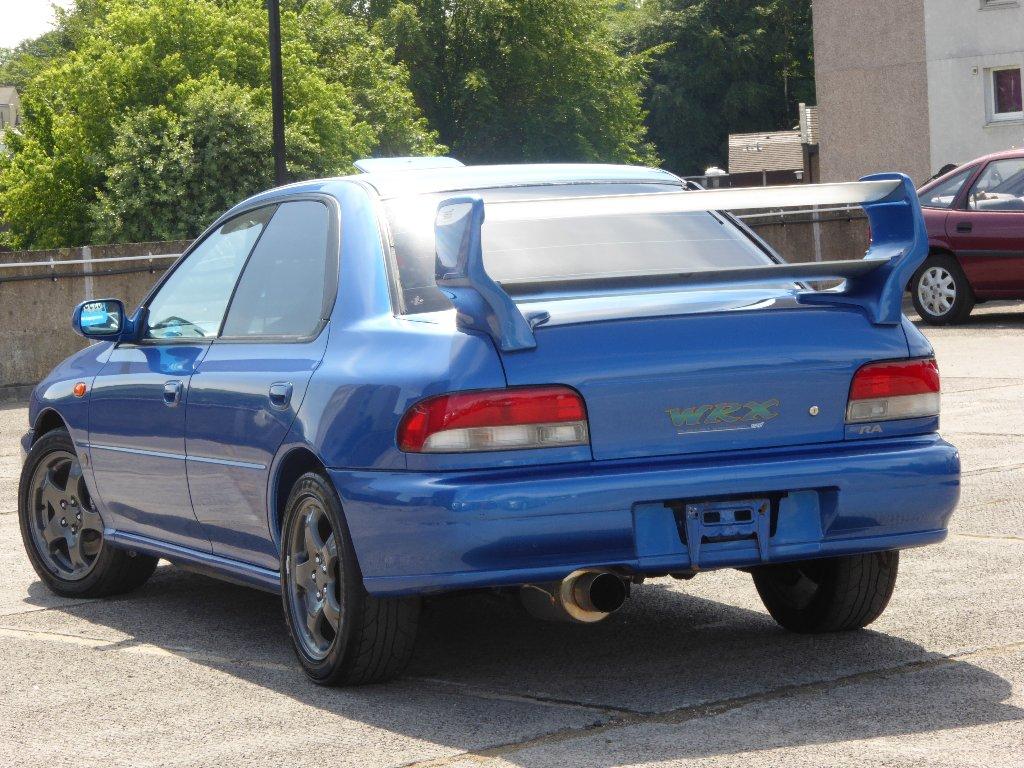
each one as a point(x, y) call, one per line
point(553, 380)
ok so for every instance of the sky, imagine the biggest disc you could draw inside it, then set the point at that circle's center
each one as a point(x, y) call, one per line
point(22, 19)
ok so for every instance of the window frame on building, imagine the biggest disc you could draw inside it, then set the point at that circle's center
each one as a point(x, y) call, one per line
point(995, 116)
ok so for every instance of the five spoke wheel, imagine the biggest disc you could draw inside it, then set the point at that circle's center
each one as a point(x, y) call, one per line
point(66, 528)
point(313, 586)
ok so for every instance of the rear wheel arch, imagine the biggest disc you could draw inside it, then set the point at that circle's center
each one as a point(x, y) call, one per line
point(293, 465)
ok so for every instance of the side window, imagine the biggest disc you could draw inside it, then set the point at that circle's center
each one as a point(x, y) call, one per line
point(945, 193)
point(283, 290)
point(191, 304)
point(1000, 187)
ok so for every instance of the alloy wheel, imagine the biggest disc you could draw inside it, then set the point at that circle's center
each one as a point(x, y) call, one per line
point(66, 528)
point(936, 290)
point(313, 583)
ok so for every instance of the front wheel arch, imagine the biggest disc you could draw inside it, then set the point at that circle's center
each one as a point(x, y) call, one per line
point(47, 421)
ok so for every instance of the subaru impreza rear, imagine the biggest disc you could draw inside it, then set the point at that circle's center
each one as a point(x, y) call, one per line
point(676, 399)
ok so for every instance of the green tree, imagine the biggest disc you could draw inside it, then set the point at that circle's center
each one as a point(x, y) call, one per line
point(146, 118)
point(519, 80)
point(720, 67)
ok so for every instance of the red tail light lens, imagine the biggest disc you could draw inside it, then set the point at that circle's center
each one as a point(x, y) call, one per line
point(495, 420)
point(895, 389)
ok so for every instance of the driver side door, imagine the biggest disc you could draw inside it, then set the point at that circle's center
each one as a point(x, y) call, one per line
point(137, 407)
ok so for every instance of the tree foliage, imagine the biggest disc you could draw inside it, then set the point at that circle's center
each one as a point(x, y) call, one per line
point(520, 80)
point(144, 119)
point(720, 67)
point(155, 115)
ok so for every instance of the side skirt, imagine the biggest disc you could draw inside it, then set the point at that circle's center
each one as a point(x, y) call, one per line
point(202, 562)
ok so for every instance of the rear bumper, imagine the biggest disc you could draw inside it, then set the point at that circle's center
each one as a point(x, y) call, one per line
point(422, 532)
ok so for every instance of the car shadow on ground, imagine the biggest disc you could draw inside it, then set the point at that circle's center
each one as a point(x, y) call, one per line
point(666, 658)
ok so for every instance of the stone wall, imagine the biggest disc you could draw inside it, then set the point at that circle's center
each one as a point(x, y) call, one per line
point(36, 302)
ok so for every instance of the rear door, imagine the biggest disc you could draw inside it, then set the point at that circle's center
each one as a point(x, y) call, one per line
point(138, 402)
point(987, 229)
point(247, 389)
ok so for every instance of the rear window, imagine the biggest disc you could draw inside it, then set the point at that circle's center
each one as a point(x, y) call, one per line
point(555, 249)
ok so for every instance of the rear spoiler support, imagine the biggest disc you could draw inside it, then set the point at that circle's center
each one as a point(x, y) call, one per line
point(899, 243)
point(873, 284)
point(480, 303)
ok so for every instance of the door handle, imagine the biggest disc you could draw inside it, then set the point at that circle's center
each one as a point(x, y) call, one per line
point(280, 394)
point(172, 393)
point(964, 226)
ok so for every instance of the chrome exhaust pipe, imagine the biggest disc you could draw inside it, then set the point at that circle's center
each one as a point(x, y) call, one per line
point(583, 596)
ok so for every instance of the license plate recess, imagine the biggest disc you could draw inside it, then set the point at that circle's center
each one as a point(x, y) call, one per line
point(706, 524)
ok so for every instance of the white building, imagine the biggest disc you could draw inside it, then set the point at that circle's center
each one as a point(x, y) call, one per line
point(10, 107)
point(916, 84)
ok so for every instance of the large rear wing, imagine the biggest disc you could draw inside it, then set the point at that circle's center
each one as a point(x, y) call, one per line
point(875, 283)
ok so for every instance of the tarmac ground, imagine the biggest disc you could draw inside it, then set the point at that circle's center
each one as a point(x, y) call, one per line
point(192, 671)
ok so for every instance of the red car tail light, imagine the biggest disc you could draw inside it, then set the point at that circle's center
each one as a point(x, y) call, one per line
point(895, 389)
point(495, 420)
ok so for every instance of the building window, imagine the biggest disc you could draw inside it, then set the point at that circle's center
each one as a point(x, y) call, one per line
point(1004, 86)
point(988, 4)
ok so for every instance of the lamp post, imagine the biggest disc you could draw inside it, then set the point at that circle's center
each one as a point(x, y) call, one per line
point(277, 90)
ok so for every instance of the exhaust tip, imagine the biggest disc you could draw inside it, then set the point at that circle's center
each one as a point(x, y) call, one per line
point(607, 592)
point(582, 596)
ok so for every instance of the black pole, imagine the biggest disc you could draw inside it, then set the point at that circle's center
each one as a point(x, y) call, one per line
point(277, 90)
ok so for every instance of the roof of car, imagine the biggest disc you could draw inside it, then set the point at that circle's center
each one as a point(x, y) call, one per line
point(413, 182)
point(1002, 155)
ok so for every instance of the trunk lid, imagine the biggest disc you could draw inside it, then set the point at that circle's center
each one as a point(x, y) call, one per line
point(721, 371)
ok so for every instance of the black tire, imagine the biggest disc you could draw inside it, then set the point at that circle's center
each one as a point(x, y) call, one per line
point(103, 570)
point(833, 595)
point(372, 639)
point(930, 286)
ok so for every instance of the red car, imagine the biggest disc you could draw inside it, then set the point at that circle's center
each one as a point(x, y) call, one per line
point(975, 219)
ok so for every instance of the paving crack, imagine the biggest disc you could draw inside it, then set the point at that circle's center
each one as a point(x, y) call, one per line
point(990, 536)
point(714, 708)
point(529, 698)
point(953, 392)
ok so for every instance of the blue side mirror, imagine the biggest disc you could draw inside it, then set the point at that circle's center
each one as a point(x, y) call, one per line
point(101, 319)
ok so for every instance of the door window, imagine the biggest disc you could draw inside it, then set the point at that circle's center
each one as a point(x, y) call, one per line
point(1000, 187)
point(943, 195)
point(191, 302)
point(286, 285)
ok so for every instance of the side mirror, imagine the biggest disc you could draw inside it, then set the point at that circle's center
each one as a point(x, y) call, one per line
point(102, 319)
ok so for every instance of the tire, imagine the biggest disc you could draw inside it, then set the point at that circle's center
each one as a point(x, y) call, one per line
point(941, 292)
point(833, 595)
point(62, 531)
point(341, 634)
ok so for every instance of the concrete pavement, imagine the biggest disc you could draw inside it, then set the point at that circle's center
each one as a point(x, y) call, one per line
point(190, 671)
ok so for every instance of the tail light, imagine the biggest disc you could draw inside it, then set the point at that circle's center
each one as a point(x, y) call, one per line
point(495, 420)
point(896, 389)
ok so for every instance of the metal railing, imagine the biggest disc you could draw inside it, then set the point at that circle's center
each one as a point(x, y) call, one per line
point(54, 274)
point(110, 260)
point(54, 263)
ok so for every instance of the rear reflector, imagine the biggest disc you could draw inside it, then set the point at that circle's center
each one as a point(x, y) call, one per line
point(495, 420)
point(895, 389)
